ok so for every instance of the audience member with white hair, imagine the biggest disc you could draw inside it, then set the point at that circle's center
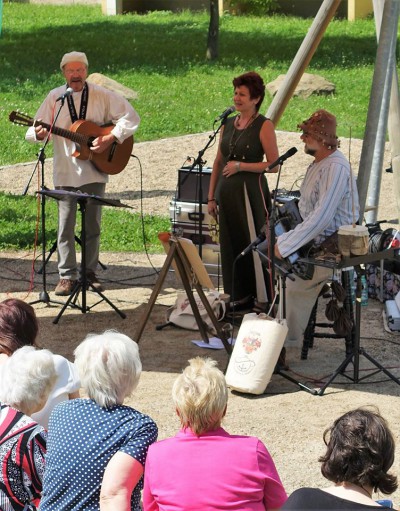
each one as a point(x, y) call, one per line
point(19, 327)
point(26, 380)
point(203, 467)
point(97, 446)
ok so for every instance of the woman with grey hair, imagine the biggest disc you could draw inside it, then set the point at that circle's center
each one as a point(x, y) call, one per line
point(96, 446)
point(26, 380)
point(19, 327)
point(203, 467)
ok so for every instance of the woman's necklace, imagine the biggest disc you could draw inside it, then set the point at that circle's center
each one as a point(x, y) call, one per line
point(233, 141)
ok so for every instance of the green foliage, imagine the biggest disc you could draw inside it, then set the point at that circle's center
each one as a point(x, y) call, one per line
point(255, 7)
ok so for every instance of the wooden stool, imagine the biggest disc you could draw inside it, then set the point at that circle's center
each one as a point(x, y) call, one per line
point(310, 334)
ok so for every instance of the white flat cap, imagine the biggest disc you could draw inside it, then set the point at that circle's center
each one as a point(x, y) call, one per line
point(74, 56)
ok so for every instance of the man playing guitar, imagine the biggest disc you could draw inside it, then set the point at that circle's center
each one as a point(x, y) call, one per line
point(90, 102)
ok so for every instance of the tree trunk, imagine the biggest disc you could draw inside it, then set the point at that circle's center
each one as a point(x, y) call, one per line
point(213, 31)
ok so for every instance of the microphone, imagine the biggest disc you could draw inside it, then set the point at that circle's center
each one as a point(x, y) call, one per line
point(225, 114)
point(281, 159)
point(67, 93)
point(260, 238)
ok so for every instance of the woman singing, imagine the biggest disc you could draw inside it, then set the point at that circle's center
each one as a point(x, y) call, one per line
point(240, 189)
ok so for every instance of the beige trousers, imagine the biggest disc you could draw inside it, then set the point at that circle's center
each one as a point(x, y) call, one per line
point(300, 299)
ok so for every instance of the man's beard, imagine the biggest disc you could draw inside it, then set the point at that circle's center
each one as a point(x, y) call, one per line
point(310, 151)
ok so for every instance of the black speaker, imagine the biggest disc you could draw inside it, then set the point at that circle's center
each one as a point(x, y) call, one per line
point(189, 184)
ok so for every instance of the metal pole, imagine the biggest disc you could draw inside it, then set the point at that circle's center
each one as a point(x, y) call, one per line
point(378, 105)
point(302, 59)
point(377, 161)
point(394, 114)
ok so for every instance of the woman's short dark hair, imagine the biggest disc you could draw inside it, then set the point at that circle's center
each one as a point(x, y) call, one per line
point(254, 83)
point(18, 325)
point(360, 450)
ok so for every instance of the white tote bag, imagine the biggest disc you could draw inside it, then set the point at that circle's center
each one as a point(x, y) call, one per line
point(255, 354)
point(181, 313)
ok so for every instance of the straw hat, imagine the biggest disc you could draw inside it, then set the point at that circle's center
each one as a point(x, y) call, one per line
point(322, 126)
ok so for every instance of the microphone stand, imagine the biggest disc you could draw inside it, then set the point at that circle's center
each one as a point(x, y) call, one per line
point(200, 163)
point(271, 227)
point(44, 295)
point(284, 273)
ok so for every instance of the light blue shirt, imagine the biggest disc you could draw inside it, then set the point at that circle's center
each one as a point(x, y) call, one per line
point(329, 199)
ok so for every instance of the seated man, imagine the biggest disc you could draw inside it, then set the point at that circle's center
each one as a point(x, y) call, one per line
point(329, 199)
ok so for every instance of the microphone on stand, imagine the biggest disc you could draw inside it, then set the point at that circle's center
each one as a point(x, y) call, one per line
point(67, 93)
point(260, 238)
point(225, 114)
point(281, 159)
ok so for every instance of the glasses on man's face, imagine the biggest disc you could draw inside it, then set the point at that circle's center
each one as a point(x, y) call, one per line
point(78, 71)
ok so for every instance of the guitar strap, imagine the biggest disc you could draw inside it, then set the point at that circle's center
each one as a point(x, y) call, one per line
point(84, 104)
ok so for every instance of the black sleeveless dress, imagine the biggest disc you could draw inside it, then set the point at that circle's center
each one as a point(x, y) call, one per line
point(235, 217)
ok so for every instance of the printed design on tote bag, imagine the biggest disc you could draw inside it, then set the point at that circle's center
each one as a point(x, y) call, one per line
point(243, 365)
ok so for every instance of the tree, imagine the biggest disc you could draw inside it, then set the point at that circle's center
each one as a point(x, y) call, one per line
point(213, 31)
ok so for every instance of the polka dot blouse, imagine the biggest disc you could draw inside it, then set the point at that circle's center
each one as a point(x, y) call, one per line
point(82, 439)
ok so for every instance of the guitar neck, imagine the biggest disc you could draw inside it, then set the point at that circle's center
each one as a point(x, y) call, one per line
point(78, 138)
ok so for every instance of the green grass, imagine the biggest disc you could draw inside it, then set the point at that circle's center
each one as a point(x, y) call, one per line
point(162, 56)
point(120, 232)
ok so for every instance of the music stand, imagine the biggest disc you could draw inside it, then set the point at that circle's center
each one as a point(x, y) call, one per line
point(82, 283)
point(53, 248)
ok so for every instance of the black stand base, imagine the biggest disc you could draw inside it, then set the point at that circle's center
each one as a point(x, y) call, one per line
point(44, 297)
point(358, 350)
point(302, 386)
point(354, 358)
point(81, 286)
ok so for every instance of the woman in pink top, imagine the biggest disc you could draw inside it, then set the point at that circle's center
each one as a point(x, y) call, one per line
point(203, 467)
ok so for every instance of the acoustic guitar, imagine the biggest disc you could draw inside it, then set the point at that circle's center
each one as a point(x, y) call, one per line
point(111, 161)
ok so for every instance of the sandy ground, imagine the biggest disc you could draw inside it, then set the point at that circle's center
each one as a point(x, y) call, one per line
point(288, 420)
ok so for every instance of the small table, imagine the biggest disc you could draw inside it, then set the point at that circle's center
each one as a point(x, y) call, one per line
point(357, 351)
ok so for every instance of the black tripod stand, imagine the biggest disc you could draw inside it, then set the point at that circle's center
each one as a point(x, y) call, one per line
point(53, 248)
point(358, 350)
point(82, 284)
point(44, 295)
